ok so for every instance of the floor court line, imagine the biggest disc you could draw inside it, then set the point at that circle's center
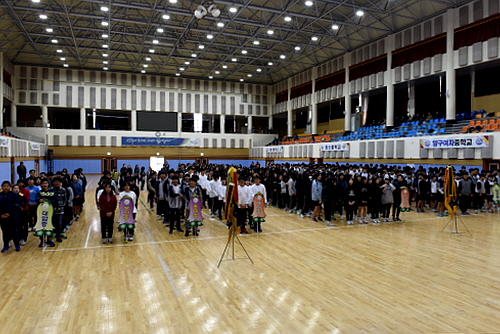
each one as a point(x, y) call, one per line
point(88, 234)
point(164, 265)
point(241, 235)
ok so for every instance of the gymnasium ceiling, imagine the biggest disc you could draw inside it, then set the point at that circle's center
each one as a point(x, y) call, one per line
point(132, 39)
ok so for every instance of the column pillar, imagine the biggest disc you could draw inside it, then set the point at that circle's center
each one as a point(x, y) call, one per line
point(83, 118)
point(222, 123)
point(270, 123)
point(179, 123)
point(249, 124)
point(314, 105)
point(1, 91)
point(13, 115)
point(133, 120)
point(389, 81)
point(289, 111)
point(347, 94)
point(449, 60)
point(45, 117)
point(411, 98)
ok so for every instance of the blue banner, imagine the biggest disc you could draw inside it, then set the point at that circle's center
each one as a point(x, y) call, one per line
point(148, 141)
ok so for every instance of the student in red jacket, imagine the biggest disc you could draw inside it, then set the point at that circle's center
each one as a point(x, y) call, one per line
point(107, 208)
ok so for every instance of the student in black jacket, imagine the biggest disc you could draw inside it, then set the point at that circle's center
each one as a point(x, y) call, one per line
point(9, 206)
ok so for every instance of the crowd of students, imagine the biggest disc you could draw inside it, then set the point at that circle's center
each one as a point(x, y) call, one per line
point(362, 192)
point(19, 203)
point(171, 190)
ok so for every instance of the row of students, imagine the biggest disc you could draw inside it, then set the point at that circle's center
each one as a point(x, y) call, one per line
point(19, 203)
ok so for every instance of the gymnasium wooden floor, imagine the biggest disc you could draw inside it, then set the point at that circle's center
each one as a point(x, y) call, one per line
point(393, 278)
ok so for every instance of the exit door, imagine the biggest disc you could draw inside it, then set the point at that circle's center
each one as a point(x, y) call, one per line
point(108, 164)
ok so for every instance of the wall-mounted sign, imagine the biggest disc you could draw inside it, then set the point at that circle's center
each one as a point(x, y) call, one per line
point(467, 142)
point(334, 147)
point(147, 141)
point(4, 142)
point(275, 149)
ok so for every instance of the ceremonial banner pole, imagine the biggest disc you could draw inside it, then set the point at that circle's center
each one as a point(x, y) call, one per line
point(450, 202)
point(234, 229)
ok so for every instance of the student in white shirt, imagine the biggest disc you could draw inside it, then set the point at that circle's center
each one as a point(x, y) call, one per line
point(203, 183)
point(212, 193)
point(221, 197)
point(243, 204)
point(253, 190)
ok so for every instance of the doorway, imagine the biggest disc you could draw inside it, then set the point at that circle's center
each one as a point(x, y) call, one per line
point(107, 164)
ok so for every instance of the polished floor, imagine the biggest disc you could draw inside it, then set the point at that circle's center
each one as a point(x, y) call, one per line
point(404, 277)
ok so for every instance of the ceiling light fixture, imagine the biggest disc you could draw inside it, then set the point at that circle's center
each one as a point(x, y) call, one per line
point(335, 27)
point(210, 36)
point(49, 29)
point(297, 48)
point(186, 63)
point(314, 38)
point(155, 41)
point(148, 59)
point(54, 41)
point(282, 56)
point(202, 11)
point(105, 46)
point(143, 71)
point(270, 63)
point(288, 18)
point(166, 17)
point(256, 42)
point(105, 23)
point(59, 51)
point(66, 65)
point(224, 66)
point(105, 68)
point(43, 16)
point(181, 69)
point(233, 9)
point(35, 1)
point(151, 51)
point(220, 24)
point(210, 77)
point(234, 59)
point(217, 72)
point(244, 52)
point(172, 1)
point(270, 32)
point(259, 70)
point(242, 80)
point(105, 36)
point(177, 74)
point(360, 13)
point(104, 54)
point(201, 47)
point(145, 65)
point(160, 30)
point(104, 8)
point(105, 62)
point(193, 55)
point(309, 3)
point(63, 58)
point(249, 75)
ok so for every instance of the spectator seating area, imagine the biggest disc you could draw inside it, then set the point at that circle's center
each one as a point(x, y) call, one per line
point(481, 126)
point(432, 127)
point(471, 115)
